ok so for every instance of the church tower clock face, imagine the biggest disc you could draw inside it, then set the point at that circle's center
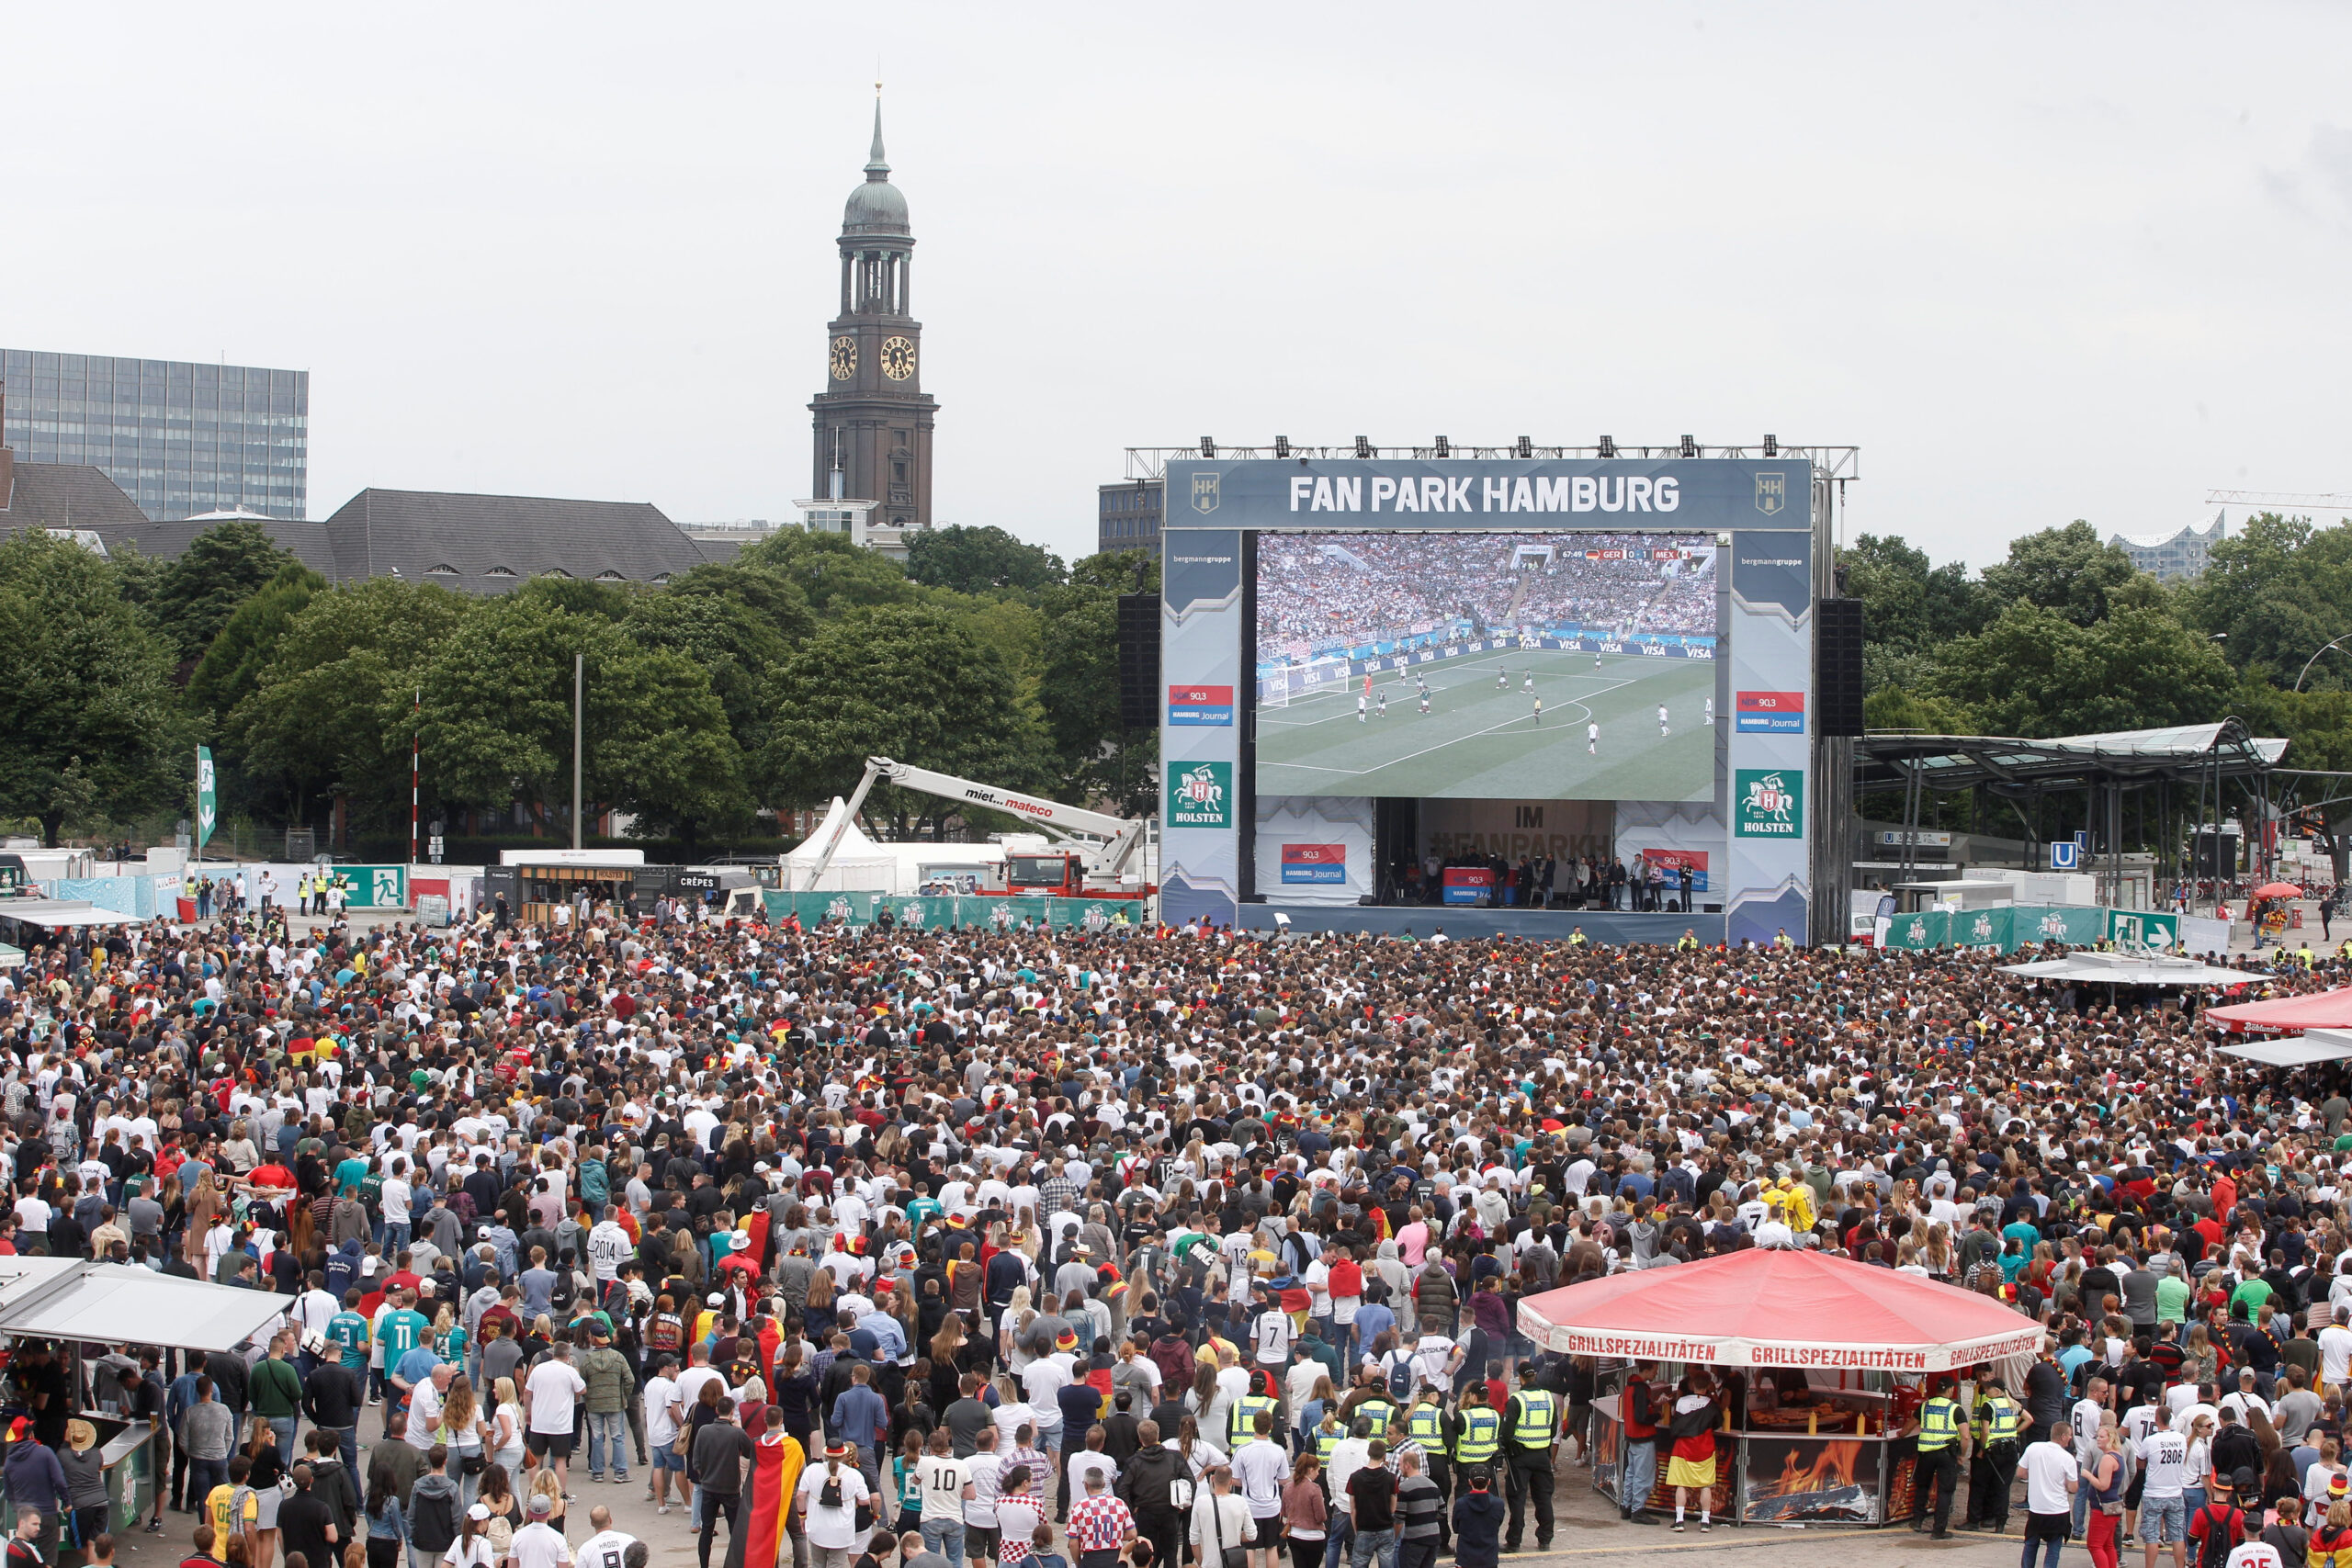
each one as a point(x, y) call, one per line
point(843, 358)
point(897, 357)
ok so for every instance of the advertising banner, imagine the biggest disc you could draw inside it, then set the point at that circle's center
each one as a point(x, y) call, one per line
point(1314, 862)
point(1200, 794)
point(1770, 713)
point(1194, 706)
point(1469, 885)
point(1919, 932)
point(1676, 860)
point(1767, 803)
point(1202, 630)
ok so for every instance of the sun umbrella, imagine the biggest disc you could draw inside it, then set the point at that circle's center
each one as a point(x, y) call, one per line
point(2278, 890)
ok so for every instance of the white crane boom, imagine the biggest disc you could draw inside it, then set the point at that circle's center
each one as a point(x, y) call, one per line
point(2280, 501)
point(1106, 860)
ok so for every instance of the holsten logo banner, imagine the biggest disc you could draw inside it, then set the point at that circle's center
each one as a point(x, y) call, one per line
point(1200, 794)
point(1767, 803)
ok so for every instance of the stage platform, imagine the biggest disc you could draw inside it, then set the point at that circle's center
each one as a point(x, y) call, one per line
point(1615, 928)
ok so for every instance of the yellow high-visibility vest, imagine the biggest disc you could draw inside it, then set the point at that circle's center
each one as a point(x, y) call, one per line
point(1482, 1434)
point(1537, 1414)
point(1938, 1425)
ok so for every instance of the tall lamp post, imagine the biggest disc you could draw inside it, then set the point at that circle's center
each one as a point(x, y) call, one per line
point(2315, 657)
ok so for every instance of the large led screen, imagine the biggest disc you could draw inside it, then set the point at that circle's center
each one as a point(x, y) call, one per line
point(1555, 666)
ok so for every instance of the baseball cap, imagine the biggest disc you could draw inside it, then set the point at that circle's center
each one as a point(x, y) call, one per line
point(541, 1506)
point(479, 1513)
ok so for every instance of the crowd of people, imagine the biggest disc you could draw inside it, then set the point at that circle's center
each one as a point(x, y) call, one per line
point(1321, 593)
point(1147, 1246)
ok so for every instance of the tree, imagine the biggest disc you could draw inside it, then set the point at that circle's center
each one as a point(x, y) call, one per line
point(333, 709)
point(908, 681)
point(2035, 673)
point(739, 649)
point(2317, 728)
point(2067, 570)
point(87, 715)
point(197, 592)
point(974, 560)
point(498, 717)
point(232, 665)
point(760, 587)
point(834, 575)
point(1910, 608)
point(2278, 594)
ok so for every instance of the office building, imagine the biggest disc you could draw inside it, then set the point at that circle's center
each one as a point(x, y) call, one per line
point(178, 439)
point(1127, 516)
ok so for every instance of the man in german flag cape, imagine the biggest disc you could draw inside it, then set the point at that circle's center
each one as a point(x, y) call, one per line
point(776, 1461)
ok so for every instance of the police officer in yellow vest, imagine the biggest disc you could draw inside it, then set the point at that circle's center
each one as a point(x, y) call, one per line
point(1242, 1425)
point(1942, 1432)
point(1376, 1408)
point(1479, 1431)
point(1530, 1428)
point(1326, 1435)
point(1426, 1424)
point(2000, 1423)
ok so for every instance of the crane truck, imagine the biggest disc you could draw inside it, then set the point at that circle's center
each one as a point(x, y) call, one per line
point(1110, 868)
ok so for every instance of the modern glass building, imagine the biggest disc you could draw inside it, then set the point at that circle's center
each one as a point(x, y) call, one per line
point(180, 439)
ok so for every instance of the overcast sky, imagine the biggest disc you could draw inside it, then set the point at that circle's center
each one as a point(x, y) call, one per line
point(2036, 263)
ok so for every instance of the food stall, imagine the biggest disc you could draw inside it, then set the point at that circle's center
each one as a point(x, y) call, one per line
point(543, 879)
point(77, 1309)
point(1818, 1360)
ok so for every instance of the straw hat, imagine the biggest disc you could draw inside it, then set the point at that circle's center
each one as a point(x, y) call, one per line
point(80, 1435)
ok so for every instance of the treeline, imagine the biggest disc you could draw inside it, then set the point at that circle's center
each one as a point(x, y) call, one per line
point(762, 683)
point(2063, 637)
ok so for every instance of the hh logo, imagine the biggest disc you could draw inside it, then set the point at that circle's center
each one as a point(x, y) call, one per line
point(1771, 493)
point(1205, 493)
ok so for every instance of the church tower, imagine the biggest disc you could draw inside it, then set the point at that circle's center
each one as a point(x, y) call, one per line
point(874, 419)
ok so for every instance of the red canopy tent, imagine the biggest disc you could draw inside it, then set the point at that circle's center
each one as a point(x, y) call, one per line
point(1776, 1308)
point(2286, 1015)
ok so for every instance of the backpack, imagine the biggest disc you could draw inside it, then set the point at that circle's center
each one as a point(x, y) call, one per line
point(2224, 1526)
point(1400, 1375)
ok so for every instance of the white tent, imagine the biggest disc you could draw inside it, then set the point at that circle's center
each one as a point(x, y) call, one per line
point(2130, 969)
point(2297, 1051)
point(859, 865)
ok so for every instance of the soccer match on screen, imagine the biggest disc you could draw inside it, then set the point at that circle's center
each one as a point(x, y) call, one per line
point(1572, 666)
